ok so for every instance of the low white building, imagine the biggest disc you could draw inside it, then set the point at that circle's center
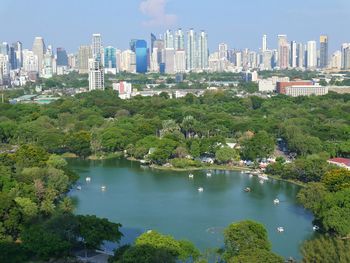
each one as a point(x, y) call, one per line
point(316, 90)
point(124, 89)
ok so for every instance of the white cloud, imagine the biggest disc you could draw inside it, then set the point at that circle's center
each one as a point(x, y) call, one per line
point(155, 10)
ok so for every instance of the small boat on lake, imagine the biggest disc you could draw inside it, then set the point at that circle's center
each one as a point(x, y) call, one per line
point(247, 189)
point(88, 179)
point(261, 181)
point(103, 188)
point(208, 174)
point(280, 229)
point(191, 176)
point(200, 189)
point(276, 201)
point(263, 177)
point(315, 228)
point(79, 187)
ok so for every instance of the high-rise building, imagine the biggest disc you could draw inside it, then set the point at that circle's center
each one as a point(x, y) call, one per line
point(19, 53)
point(203, 52)
point(110, 60)
point(323, 51)
point(180, 61)
point(169, 39)
point(223, 51)
point(345, 56)
point(301, 55)
point(141, 56)
point(336, 60)
point(4, 48)
point(179, 40)
point(13, 57)
point(153, 39)
point(97, 47)
point(293, 54)
point(266, 60)
point(39, 50)
point(84, 54)
point(170, 60)
point(62, 57)
point(191, 50)
point(264, 43)
point(283, 52)
point(128, 61)
point(311, 55)
point(30, 61)
point(96, 75)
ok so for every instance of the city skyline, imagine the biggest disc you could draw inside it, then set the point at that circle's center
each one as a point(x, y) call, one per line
point(140, 18)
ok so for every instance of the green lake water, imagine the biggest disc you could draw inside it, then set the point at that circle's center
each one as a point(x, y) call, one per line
point(141, 199)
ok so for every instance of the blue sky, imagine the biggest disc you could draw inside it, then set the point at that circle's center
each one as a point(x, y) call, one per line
point(240, 23)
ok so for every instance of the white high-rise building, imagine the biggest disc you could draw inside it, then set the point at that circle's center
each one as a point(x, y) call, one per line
point(223, 51)
point(30, 61)
point(4, 70)
point(345, 56)
point(267, 60)
point(96, 75)
point(264, 43)
point(301, 55)
point(238, 59)
point(293, 54)
point(96, 46)
point(191, 51)
point(169, 39)
point(336, 61)
point(311, 54)
point(203, 53)
point(179, 40)
point(39, 50)
point(128, 61)
point(180, 61)
point(169, 60)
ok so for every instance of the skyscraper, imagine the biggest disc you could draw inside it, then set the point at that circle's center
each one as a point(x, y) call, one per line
point(62, 58)
point(39, 50)
point(264, 43)
point(96, 75)
point(345, 56)
point(19, 53)
point(4, 48)
point(283, 52)
point(293, 54)
point(110, 60)
point(300, 54)
point(223, 51)
point(191, 50)
point(323, 51)
point(84, 55)
point(97, 46)
point(311, 55)
point(13, 57)
point(153, 39)
point(141, 56)
point(170, 60)
point(179, 40)
point(169, 39)
point(203, 53)
point(180, 61)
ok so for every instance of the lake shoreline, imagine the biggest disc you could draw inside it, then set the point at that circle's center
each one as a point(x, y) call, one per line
point(186, 169)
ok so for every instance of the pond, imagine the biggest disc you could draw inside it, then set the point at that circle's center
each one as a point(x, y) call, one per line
point(141, 199)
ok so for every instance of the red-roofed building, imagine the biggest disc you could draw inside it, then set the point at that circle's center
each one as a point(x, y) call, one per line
point(341, 162)
point(282, 85)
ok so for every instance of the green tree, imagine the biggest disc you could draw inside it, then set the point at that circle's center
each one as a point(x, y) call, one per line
point(335, 212)
point(336, 180)
point(44, 244)
point(245, 236)
point(326, 250)
point(226, 155)
point(94, 231)
point(260, 146)
point(79, 143)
